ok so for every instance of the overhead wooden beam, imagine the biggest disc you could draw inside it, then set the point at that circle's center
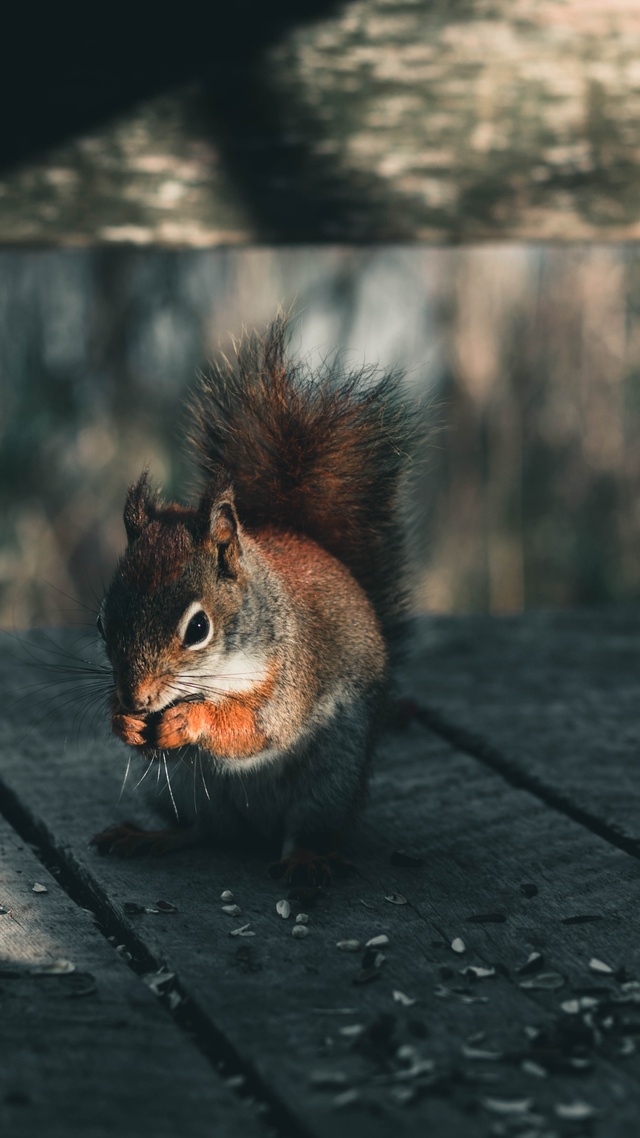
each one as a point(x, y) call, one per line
point(384, 120)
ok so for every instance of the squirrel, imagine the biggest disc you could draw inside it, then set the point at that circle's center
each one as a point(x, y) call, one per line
point(250, 635)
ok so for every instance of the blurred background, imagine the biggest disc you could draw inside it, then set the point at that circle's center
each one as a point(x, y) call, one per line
point(448, 188)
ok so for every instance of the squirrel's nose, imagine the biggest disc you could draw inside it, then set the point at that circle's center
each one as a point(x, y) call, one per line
point(131, 699)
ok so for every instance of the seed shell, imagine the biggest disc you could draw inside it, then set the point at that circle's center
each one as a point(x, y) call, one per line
point(157, 981)
point(244, 930)
point(53, 968)
point(402, 999)
point(325, 1080)
point(481, 1054)
point(535, 1069)
point(283, 909)
point(543, 981)
point(575, 1111)
point(351, 1030)
point(347, 1098)
point(458, 945)
point(599, 966)
point(507, 1106)
point(131, 907)
point(299, 931)
point(533, 963)
point(404, 1095)
point(444, 993)
point(349, 945)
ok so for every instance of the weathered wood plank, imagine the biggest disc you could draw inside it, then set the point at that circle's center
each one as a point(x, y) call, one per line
point(550, 698)
point(380, 120)
point(90, 1052)
point(272, 996)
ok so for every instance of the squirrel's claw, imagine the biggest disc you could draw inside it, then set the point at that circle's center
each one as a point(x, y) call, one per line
point(306, 867)
point(128, 840)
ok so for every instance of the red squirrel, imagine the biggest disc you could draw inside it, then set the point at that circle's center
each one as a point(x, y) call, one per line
point(249, 635)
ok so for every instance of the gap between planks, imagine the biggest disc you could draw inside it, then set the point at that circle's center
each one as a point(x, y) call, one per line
point(490, 756)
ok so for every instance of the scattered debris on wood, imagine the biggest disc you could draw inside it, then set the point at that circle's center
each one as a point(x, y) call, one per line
point(543, 981)
point(596, 965)
point(533, 963)
point(403, 999)
point(244, 930)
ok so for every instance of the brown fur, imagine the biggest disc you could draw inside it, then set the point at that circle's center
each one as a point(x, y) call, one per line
point(159, 554)
point(295, 558)
point(318, 454)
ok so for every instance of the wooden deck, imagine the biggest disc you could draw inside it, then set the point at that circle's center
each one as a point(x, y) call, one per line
point(508, 1000)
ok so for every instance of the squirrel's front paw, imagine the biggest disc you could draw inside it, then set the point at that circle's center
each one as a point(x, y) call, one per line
point(179, 725)
point(130, 728)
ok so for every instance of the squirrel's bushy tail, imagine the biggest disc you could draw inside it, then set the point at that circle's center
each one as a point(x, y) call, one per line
point(320, 454)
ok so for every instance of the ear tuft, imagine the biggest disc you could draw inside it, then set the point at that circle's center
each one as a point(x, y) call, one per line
point(138, 507)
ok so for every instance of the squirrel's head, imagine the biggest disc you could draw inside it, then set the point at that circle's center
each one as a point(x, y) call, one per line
point(174, 598)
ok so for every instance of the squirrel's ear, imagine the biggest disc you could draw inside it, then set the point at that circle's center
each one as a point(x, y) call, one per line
point(138, 507)
point(219, 528)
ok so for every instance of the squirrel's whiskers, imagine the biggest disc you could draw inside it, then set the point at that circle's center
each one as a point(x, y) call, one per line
point(73, 683)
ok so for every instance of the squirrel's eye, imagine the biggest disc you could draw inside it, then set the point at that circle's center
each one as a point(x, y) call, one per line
point(100, 626)
point(197, 630)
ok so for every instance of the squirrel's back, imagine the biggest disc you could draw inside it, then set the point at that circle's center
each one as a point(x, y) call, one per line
point(319, 454)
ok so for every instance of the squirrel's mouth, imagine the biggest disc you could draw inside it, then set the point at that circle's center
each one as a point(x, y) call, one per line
point(152, 717)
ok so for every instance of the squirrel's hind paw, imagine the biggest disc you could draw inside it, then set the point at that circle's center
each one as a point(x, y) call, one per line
point(306, 867)
point(128, 840)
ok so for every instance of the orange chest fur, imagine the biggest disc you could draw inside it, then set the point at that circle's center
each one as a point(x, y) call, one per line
point(230, 728)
